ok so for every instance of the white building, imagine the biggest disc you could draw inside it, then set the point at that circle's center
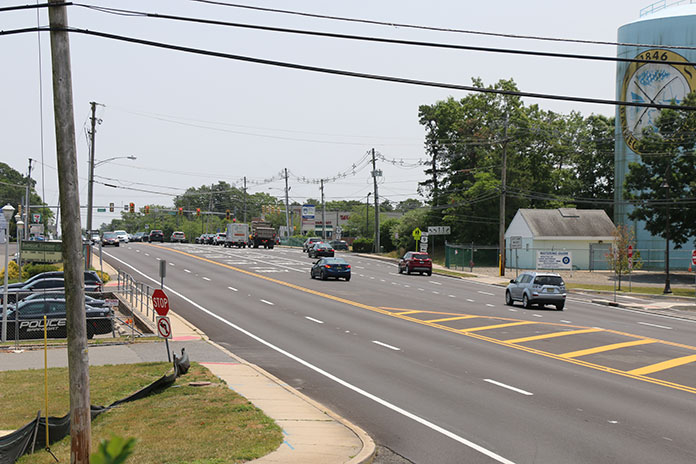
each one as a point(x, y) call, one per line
point(586, 233)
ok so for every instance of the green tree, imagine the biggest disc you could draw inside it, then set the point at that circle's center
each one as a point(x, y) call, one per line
point(661, 184)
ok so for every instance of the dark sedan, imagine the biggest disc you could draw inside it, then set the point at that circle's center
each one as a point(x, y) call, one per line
point(156, 236)
point(330, 267)
point(321, 249)
point(29, 315)
point(89, 300)
point(49, 284)
point(110, 238)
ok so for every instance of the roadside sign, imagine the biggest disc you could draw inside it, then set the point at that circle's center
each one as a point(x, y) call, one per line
point(160, 302)
point(516, 243)
point(439, 230)
point(101, 210)
point(630, 251)
point(35, 217)
point(554, 260)
point(424, 237)
point(693, 257)
point(111, 303)
point(164, 327)
point(416, 234)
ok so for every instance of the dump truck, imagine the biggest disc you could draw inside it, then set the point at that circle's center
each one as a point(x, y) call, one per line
point(262, 234)
point(237, 235)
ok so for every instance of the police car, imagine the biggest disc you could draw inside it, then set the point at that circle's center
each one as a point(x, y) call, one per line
point(29, 316)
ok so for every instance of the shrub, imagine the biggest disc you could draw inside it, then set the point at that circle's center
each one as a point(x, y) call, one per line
point(103, 276)
point(13, 271)
point(30, 270)
point(363, 245)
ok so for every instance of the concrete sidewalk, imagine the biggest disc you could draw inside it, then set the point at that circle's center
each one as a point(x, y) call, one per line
point(313, 433)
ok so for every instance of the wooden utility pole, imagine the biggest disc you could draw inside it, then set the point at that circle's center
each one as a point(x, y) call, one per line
point(503, 182)
point(78, 360)
point(245, 201)
point(90, 184)
point(374, 178)
point(27, 205)
point(287, 204)
point(323, 211)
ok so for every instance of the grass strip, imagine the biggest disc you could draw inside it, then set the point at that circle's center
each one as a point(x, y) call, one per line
point(181, 424)
point(676, 291)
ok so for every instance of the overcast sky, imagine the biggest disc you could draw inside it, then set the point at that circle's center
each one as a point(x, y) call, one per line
point(193, 120)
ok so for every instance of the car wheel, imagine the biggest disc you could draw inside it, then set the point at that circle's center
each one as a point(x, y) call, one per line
point(400, 270)
point(508, 299)
point(525, 302)
point(90, 333)
point(311, 274)
point(408, 270)
point(559, 307)
point(117, 244)
point(430, 273)
point(347, 278)
point(323, 275)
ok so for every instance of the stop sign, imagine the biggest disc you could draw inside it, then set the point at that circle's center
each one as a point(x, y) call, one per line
point(693, 257)
point(630, 251)
point(160, 302)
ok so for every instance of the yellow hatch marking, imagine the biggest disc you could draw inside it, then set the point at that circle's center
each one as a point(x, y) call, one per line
point(553, 335)
point(451, 318)
point(408, 312)
point(578, 362)
point(497, 326)
point(601, 349)
point(664, 365)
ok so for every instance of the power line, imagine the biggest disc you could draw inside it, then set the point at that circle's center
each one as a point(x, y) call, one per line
point(345, 73)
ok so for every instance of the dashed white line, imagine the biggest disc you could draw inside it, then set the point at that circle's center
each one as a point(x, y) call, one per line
point(312, 319)
point(382, 280)
point(233, 289)
point(565, 322)
point(393, 273)
point(395, 283)
point(470, 300)
point(386, 346)
point(421, 289)
point(171, 264)
point(205, 278)
point(485, 293)
point(537, 315)
point(500, 384)
point(407, 286)
point(436, 292)
point(186, 270)
point(137, 251)
point(267, 302)
point(435, 283)
point(514, 310)
point(490, 305)
point(655, 325)
point(451, 296)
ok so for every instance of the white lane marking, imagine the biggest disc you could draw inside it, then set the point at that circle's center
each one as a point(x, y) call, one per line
point(564, 321)
point(137, 251)
point(314, 320)
point(171, 264)
point(514, 310)
point(382, 280)
point(500, 384)
point(130, 248)
point(485, 293)
point(362, 275)
point(451, 296)
point(328, 375)
point(655, 325)
point(372, 277)
point(407, 286)
point(393, 273)
point(359, 267)
point(186, 270)
point(267, 302)
point(436, 292)
point(233, 289)
point(421, 289)
point(470, 300)
point(386, 346)
point(490, 305)
point(205, 278)
point(433, 282)
point(537, 315)
point(394, 283)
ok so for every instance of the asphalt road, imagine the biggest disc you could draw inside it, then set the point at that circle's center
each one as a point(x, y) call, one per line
point(439, 369)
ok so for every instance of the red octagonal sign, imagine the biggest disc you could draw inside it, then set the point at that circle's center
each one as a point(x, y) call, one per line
point(160, 302)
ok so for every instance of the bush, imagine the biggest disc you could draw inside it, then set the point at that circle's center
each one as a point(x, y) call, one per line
point(363, 245)
point(13, 274)
point(103, 276)
point(30, 270)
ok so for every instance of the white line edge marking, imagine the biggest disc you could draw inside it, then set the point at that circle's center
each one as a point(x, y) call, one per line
point(655, 325)
point(233, 289)
point(267, 302)
point(314, 320)
point(485, 293)
point(205, 278)
point(500, 384)
point(385, 345)
point(336, 379)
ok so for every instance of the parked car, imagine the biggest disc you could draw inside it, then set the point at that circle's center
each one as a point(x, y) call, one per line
point(140, 237)
point(110, 238)
point(414, 261)
point(321, 249)
point(309, 242)
point(122, 236)
point(330, 267)
point(47, 284)
point(208, 239)
point(339, 245)
point(540, 288)
point(29, 316)
point(92, 279)
point(219, 238)
point(156, 235)
point(95, 238)
point(89, 300)
point(177, 236)
point(200, 239)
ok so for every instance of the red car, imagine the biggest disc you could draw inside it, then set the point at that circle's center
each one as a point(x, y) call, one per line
point(414, 261)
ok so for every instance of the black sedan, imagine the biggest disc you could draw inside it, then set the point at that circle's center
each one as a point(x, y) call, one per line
point(89, 300)
point(321, 249)
point(48, 284)
point(29, 316)
point(330, 267)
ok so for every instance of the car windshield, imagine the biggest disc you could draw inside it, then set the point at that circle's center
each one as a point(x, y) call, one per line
point(548, 280)
point(335, 261)
point(420, 256)
point(109, 235)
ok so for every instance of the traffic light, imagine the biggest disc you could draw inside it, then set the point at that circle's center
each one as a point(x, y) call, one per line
point(147, 209)
point(131, 207)
point(227, 214)
point(181, 211)
point(198, 211)
point(234, 219)
point(263, 209)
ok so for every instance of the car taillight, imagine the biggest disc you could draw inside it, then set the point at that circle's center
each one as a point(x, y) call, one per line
point(348, 266)
point(327, 266)
point(331, 249)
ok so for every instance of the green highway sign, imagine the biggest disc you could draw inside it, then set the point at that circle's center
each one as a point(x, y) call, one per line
point(101, 210)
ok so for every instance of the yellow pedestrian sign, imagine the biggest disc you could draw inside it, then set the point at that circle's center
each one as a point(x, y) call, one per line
point(417, 234)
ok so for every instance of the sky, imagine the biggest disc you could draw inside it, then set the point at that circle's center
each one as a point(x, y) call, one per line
point(191, 120)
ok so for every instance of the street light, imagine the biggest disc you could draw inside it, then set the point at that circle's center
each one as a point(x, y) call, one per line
point(90, 187)
point(7, 212)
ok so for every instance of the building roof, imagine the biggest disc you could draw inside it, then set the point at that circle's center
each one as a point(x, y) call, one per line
point(568, 222)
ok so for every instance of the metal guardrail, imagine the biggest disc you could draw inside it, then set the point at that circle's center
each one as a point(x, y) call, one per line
point(138, 294)
point(661, 5)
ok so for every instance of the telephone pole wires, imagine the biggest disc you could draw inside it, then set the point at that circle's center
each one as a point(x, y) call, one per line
point(68, 185)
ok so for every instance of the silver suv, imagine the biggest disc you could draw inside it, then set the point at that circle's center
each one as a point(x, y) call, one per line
point(540, 288)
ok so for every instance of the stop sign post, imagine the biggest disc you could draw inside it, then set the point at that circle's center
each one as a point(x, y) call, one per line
point(160, 302)
point(630, 256)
